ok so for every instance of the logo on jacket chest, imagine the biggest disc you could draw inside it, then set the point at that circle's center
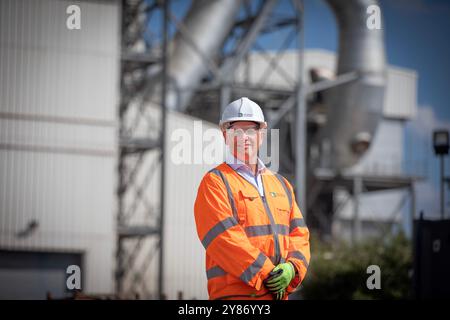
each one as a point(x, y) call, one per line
point(276, 194)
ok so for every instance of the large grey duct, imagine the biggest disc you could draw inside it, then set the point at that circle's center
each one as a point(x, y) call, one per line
point(355, 108)
point(196, 44)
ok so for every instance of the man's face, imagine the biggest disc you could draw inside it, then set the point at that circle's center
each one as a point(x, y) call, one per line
point(244, 139)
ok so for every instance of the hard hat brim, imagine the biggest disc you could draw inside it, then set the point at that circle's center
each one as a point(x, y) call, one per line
point(262, 123)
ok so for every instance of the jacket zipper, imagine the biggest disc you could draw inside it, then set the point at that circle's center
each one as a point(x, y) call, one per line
point(269, 214)
point(272, 222)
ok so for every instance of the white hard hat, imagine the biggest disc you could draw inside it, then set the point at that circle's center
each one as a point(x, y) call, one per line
point(243, 109)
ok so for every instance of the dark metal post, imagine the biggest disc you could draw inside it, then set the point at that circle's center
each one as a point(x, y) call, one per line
point(356, 227)
point(412, 191)
point(441, 145)
point(300, 121)
point(442, 186)
point(163, 148)
point(225, 96)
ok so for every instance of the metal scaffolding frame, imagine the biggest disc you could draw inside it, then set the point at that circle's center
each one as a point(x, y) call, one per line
point(141, 152)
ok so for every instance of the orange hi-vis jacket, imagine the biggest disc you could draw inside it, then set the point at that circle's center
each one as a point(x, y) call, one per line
point(246, 235)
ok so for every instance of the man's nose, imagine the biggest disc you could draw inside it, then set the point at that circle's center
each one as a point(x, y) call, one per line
point(246, 138)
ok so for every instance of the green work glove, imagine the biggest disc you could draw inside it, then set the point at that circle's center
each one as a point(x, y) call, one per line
point(277, 284)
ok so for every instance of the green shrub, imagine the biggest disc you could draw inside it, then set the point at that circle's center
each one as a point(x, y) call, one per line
point(339, 271)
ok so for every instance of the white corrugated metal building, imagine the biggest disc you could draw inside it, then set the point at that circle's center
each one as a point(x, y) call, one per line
point(58, 148)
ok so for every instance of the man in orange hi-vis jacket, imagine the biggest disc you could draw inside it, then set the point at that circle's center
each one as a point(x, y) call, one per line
point(256, 241)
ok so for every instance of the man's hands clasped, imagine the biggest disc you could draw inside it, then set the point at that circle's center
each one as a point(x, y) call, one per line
point(279, 279)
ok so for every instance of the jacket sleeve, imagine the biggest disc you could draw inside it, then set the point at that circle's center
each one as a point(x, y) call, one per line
point(224, 238)
point(299, 251)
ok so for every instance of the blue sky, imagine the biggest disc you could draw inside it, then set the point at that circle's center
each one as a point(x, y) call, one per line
point(417, 37)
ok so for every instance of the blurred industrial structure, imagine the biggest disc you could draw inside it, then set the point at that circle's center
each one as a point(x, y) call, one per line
point(85, 147)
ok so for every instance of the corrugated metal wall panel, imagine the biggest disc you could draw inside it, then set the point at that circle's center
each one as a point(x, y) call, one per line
point(58, 131)
point(185, 256)
point(63, 72)
point(71, 199)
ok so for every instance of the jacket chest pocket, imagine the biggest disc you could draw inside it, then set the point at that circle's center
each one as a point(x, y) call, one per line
point(282, 209)
point(248, 207)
